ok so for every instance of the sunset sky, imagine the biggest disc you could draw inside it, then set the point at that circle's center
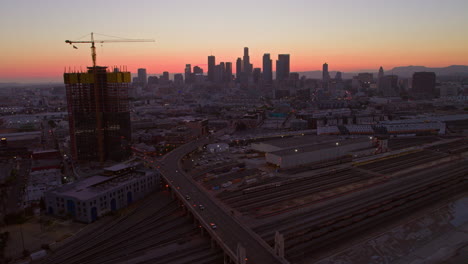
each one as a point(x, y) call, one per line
point(348, 35)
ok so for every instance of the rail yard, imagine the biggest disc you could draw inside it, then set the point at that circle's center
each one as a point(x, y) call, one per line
point(157, 231)
point(317, 209)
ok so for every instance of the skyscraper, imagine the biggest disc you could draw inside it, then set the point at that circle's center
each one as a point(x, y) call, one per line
point(197, 70)
point(219, 73)
point(164, 78)
point(388, 85)
point(238, 70)
point(338, 76)
point(99, 115)
point(247, 65)
point(282, 67)
point(211, 67)
point(267, 69)
point(188, 73)
point(325, 76)
point(228, 71)
point(256, 74)
point(424, 84)
point(380, 76)
point(178, 79)
point(153, 80)
point(142, 76)
point(381, 73)
point(365, 78)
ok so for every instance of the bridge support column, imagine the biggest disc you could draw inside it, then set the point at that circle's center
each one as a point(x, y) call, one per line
point(227, 259)
point(279, 245)
point(241, 256)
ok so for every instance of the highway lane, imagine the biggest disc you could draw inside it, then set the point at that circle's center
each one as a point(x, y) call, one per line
point(228, 229)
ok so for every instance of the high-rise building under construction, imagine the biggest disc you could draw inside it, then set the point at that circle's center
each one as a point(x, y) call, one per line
point(99, 116)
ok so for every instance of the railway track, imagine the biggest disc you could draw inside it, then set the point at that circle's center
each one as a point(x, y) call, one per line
point(317, 228)
point(158, 224)
point(300, 191)
point(334, 236)
point(281, 191)
point(318, 183)
point(197, 255)
point(401, 143)
point(408, 160)
point(102, 228)
point(119, 228)
point(347, 205)
point(392, 167)
point(449, 146)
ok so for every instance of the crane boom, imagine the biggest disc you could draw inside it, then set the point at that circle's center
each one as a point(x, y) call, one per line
point(93, 41)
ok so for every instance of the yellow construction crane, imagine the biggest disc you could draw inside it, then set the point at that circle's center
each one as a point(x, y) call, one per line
point(99, 125)
point(93, 41)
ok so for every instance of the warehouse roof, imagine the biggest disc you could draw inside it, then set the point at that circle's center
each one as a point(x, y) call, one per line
point(322, 146)
point(96, 185)
point(299, 141)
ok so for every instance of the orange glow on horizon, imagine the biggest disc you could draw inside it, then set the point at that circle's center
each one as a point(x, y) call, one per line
point(40, 66)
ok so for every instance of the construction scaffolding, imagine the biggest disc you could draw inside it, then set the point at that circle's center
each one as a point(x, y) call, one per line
point(99, 114)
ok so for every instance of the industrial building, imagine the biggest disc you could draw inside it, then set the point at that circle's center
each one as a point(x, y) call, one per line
point(21, 139)
point(408, 127)
point(115, 188)
point(290, 142)
point(99, 116)
point(294, 157)
point(39, 182)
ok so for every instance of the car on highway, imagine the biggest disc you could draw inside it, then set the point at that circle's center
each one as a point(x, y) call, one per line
point(213, 226)
point(201, 207)
point(187, 197)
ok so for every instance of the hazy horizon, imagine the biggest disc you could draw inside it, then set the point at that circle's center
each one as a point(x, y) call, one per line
point(59, 79)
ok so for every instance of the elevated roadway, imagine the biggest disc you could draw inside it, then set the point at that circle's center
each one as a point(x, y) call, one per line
point(229, 232)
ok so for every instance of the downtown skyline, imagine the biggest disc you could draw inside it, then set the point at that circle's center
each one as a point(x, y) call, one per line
point(348, 36)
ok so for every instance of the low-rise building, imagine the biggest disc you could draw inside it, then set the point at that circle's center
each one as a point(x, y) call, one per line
point(22, 139)
point(39, 182)
point(115, 188)
point(294, 157)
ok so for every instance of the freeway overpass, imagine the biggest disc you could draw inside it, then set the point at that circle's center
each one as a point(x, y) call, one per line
point(230, 234)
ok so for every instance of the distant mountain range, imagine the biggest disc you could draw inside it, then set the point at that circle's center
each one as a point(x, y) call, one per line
point(446, 71)
point(402, 71)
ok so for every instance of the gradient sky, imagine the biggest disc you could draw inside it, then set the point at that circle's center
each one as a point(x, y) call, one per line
point(349, 35)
